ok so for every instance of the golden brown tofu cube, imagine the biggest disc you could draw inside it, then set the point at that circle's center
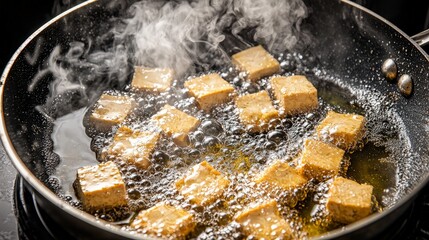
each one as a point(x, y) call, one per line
point(152, 79)
point(209, 90)
point(295, 94)
point(133, 146)
point(349, 201)
point(175, 123)
point(256, 111)
point(203, 184)
point(281, 175)
point(111, 110)
point(164, 220)
point(263, 221)
point(101, 186)
point(320, 160)
point(343, 130)
point(256, 62)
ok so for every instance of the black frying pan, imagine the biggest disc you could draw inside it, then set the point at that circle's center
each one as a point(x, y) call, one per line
point(351, 44)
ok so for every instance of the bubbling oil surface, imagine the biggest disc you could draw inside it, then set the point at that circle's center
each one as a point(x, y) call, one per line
point(223, 142)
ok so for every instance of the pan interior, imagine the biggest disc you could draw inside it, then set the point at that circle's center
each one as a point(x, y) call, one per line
point(347, 64)
point(242, 155)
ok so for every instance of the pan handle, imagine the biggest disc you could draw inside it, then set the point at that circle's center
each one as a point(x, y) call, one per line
point(422, 38)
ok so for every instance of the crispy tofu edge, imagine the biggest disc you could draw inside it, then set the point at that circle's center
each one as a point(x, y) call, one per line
point(256, 208)
point(279, 96)
point(259, 209)
point(183, 229)
point(331, 205)
point(151, 90)
point(258, 126)
point(259, 178)
point(352, 144)
point(144, 163)
point(81, 195)
point(224, 182)
point(106, 125)
point(261, 73)
point(222, 96)
point(178, 138)
point(308, 171)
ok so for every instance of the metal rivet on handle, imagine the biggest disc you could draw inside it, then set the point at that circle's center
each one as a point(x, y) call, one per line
point(389, 69)
point(405, 85)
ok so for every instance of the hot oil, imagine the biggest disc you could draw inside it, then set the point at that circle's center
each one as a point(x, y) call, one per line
point(223, 142)
point(73, 146)
point(374, 166)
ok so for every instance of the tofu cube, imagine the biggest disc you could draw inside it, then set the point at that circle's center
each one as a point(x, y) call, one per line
point(256, 111)
point(133, 146)
point(152, 79)
point(295, 94)
point(348, 201)
point(281, 175)
point(320, 160)
point(165, 221)
point(111, 110)
point(203, 184)
point(209, 90)
point(175, 123)
point(263, 221)
point(343, 130)
point(100, 186)
point(256, 62)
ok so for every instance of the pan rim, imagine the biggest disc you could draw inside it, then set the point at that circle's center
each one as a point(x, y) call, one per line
point(41, 189)
point(387, 22)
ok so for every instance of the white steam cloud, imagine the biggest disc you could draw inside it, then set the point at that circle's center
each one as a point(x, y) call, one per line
point(277, 22)
point(177, 34)
point(172, 34)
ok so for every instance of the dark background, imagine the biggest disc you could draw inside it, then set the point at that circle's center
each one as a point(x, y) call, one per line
point(19, 18)
point(411, 16)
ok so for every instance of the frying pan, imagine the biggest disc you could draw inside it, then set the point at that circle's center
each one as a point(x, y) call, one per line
point(351, 43)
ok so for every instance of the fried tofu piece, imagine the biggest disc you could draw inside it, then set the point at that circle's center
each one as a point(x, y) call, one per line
point(295, 94)
point(164, 220)
point(343, 130)
point(320, 160)
point(263, 221)
point(281, 175)
point(152, 79)
point(209, 90)
point(349, 201)
point(133, 146)
point(175, 123)
point(101, 186)
point(111, 110)
point(256, 62)
point(256, 111)
point(203, 184)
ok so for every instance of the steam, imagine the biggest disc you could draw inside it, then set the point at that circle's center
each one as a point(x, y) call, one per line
point(277, 23)
point(31, 58)
point(177, 34)
point(167, 34)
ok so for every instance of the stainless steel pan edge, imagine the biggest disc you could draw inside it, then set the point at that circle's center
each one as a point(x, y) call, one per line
point(418, 40)
point(43, 192)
